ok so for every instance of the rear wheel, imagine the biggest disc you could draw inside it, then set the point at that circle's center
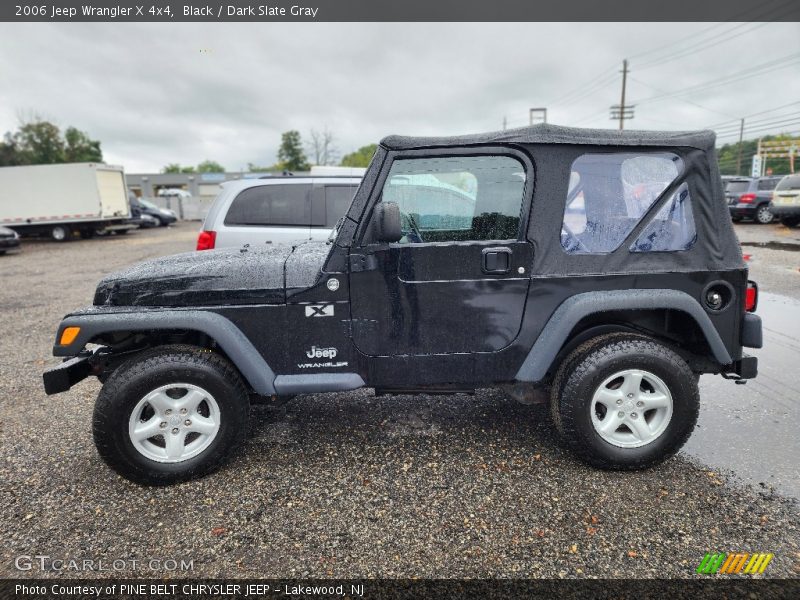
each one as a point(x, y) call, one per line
point(60, 233)
point(625, 402)
point(764, 215)
point(790, 221)
point(171, 414)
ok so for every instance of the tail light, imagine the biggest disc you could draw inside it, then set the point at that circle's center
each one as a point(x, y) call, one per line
point(206, 240)
point(747, 198)
point(751, 296)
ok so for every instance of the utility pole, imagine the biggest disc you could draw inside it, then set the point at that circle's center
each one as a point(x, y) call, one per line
point(739, 157)
point(622, 101)
point(622, 111)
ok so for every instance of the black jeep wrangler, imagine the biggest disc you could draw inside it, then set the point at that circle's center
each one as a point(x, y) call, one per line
point(599, 265)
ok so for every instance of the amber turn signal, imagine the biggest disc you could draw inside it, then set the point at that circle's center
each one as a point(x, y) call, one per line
point(68, 335)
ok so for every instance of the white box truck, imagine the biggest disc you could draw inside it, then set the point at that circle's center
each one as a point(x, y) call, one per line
point(62, 200)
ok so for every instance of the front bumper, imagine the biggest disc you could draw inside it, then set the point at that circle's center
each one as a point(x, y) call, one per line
point(9, 243)
point(62, 377)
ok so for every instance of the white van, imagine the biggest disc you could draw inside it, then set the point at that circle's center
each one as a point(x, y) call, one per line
point(276, 210)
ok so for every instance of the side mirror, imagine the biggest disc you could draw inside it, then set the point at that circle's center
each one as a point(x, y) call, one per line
point(386, 223)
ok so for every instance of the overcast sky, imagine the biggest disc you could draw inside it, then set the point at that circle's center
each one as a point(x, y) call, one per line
point(161, 93)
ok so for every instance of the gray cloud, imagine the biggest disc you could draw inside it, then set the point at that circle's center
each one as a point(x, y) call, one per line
point(159, 93)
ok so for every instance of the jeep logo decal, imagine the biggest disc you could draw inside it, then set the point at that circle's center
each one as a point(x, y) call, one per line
point(319, 310)
point(321, 352)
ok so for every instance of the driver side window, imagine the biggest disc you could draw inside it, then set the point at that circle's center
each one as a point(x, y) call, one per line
point(457, 198)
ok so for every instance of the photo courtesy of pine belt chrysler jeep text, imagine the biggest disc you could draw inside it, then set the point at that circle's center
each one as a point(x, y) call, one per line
point(599, 265)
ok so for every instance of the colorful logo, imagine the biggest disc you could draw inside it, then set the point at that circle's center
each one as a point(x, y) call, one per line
point(733, 564)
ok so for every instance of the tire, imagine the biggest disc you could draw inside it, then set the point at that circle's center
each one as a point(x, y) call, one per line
point(60, 233)
point(208, 429)
point(790, 221)
point(764, 215)
point(601, 371)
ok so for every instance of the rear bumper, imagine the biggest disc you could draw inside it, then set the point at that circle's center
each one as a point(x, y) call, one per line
point(744, 368)
point(743, 211)
point(785, 211)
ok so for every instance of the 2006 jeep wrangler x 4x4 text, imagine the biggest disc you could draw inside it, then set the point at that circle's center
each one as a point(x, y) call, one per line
point(600, 265)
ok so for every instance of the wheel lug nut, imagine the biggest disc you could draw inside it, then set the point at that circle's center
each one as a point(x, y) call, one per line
point(640, 403)
point(630, 395)
point(183, 411)
point(163, 424)
point(620, 414)
point(187, 422)
point(619, 400)
point(168, 411)
point(633, 415)
point(175, 431)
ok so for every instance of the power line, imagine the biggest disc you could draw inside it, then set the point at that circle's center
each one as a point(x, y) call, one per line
point(769, 110)
point(692, 102)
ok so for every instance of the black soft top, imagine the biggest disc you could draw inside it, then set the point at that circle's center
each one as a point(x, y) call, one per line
point(556, 134)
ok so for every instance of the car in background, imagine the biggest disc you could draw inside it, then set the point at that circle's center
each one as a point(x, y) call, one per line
point(275, 210)
point(750, 197)
point(786, 200)
point(142, 207)
point(174, 192)
point(9, 240)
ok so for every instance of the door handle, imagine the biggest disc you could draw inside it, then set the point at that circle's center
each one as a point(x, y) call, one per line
point(496, 261)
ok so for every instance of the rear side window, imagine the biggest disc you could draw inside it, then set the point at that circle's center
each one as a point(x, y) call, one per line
point(767, 184)
point(608, 195)
point(672, 227)
point(281, 205)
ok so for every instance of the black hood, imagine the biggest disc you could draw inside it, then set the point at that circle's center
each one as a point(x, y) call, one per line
point(211, 277)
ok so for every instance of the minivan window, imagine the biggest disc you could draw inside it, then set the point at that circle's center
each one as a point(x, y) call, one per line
point(792, 182)
point(337, 201)
point(281, 205)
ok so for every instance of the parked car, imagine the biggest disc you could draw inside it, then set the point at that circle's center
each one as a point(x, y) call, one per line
point(749, 198)
point(175, 192)
point(276, 209)
point(9, 240)
point(786, 200)
point(616, 314)
point(163, 216)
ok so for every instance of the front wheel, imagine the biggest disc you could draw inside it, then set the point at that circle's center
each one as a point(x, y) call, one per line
point(171, 414)
point(60, 233)
point(764, 215)
point(625, 403)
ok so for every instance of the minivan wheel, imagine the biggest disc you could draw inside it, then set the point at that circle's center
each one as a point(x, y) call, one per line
point(627, 402)
point(764, 215)
point(171, 414)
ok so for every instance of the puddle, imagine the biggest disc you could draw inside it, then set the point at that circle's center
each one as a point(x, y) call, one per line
point(774, 245)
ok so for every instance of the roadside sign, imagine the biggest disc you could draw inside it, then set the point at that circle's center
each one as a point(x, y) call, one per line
point(755, 171)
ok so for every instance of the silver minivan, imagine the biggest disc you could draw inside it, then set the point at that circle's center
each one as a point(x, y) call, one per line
point(276, 210)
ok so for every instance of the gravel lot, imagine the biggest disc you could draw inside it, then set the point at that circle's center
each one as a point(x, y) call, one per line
point(347, 485)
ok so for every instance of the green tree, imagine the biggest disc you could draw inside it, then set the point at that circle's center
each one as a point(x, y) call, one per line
point(359, 158)
point(176, 168)
point(80, 148)
point(290, 155)
point(8, 152)
point(210, 166)
point(39, 143)
point(728, 156)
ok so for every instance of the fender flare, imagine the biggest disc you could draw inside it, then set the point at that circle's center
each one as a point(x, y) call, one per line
point(579, 306)
point(230, 338)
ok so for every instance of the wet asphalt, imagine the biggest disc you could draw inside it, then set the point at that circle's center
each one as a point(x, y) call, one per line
point(350, 485)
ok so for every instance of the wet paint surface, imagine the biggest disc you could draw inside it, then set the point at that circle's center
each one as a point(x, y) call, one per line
point(753, 429)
